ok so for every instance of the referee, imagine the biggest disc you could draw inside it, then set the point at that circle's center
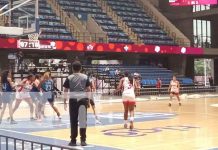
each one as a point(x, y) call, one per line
point(79, 85)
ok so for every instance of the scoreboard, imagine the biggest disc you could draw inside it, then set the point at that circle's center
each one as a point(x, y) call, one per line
point(35, 44)
point(27, 44)
point(192, 2)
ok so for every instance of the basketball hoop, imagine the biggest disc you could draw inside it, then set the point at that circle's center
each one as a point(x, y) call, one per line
point(33, 36)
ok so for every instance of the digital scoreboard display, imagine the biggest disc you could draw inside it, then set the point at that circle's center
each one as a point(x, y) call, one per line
point(192, 2)
point(35, 44)
point(26, 44)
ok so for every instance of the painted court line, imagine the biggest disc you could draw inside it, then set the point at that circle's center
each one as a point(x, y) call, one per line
point(29, 134)
point(214, 105)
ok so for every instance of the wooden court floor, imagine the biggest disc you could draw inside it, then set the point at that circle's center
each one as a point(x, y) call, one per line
point(193, 126)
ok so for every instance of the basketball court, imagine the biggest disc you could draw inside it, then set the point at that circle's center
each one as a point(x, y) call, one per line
point(157, 126)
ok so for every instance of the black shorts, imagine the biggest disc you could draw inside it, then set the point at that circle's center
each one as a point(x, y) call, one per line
point(51, 100)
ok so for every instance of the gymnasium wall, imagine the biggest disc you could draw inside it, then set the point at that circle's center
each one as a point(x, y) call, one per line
point(216, 71)
point(177, 64)
point(189, 69)
point(4, 60)
point(214, 33)
point(179, 16)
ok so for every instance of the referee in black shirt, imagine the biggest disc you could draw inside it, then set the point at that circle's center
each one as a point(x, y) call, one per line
point(79, 86)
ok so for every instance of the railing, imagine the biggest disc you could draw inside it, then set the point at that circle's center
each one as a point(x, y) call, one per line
point(14, 142)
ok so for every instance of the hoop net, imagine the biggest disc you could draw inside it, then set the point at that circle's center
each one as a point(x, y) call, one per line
point(33, 36)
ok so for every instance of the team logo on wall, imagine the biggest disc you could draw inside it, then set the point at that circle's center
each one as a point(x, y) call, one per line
point(126, 48)
point(90, 47)
point(183, 50)
point(53, 45)
point(157, 49)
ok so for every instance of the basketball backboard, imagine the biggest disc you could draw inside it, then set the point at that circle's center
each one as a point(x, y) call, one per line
point(22, 17)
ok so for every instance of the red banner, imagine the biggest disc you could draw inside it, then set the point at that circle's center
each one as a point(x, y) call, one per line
point(12, 43)
point(192, 2)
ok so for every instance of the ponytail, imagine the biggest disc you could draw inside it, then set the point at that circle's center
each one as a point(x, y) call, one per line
point(131, 79)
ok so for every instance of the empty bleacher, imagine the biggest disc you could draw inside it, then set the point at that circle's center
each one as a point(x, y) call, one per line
point(90, 7)
point(149, 74)
point(134, 16)
point(142, 24)
point(3, 3)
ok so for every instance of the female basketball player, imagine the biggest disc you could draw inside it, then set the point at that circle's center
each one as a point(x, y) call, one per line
point(137, 85)
point(35, 95)
point(174, 89)
point(127, 85)
point(24, 94)
point(47, 87)
point(7, 94)
point(92, 102)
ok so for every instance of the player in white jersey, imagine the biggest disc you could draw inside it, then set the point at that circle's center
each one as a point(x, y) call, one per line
point(92, 80)
point(127, 85)
point(174, 90)
point(23, 93)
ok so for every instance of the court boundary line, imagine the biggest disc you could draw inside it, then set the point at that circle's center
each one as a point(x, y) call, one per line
point(32, 134)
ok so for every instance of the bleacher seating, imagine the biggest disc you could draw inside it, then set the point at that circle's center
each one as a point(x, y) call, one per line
point(90, 7)
point(149, 74)
point(133, 15)
point(51, 25)
point(3, 3)
point(141, 23)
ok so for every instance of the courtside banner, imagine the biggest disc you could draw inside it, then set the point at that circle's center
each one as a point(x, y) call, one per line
point(51, 45)
point(192, 2)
